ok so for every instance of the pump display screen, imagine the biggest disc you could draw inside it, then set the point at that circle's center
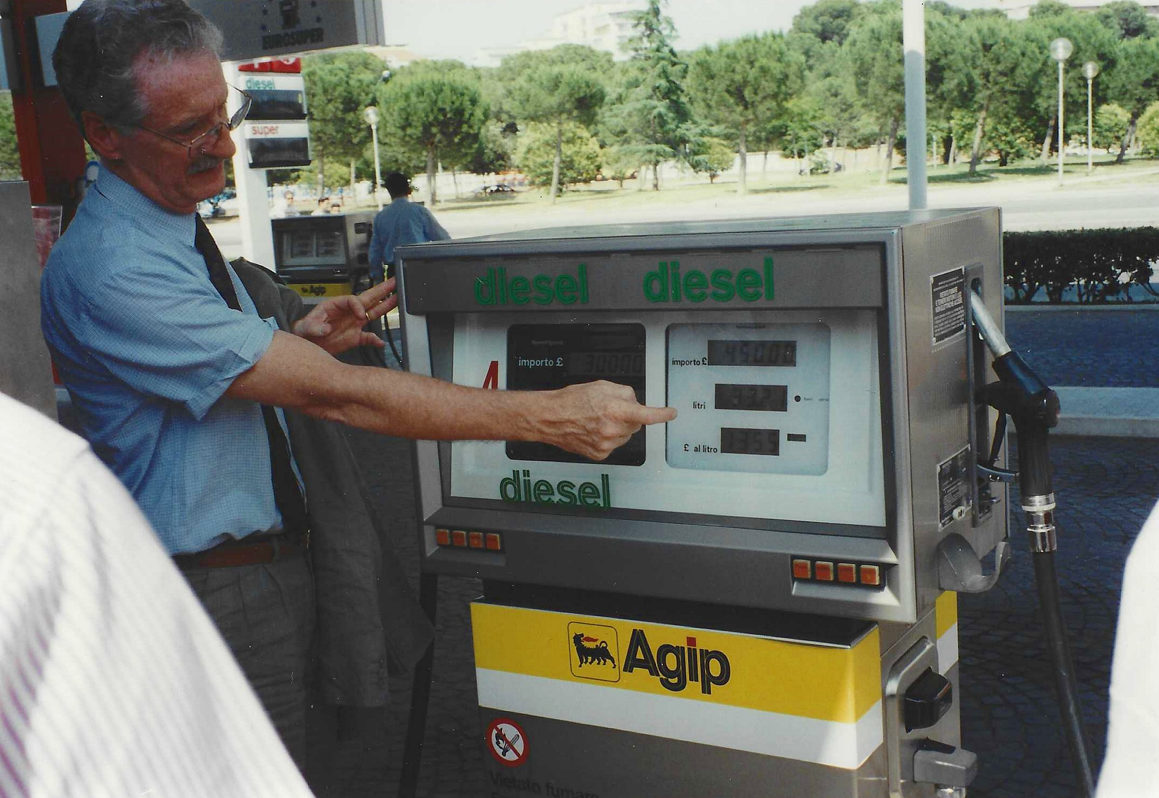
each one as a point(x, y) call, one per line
point(306, 247)
point(749, 441)
point(543, 357)
point(605, 365)
point(721, 382)
point(773, 398)
point(752, 353)
point(734, 440)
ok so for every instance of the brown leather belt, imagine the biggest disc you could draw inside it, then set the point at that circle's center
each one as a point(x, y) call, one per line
point(252, 550)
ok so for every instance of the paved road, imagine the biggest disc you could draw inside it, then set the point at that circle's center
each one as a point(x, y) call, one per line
point(1103, 348)
point(1106, 487)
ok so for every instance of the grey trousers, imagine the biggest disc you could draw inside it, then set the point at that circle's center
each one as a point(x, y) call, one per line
point(266, 615)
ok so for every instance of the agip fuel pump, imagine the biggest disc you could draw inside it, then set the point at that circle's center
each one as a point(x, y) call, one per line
point(758, 599)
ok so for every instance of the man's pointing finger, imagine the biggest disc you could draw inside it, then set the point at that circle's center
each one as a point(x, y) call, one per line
point(654, 415)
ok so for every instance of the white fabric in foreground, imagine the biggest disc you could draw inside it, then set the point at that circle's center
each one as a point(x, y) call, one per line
point(1131, 767)
point(113, 680)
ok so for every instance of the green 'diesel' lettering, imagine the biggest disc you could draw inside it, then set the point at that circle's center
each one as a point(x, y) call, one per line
point(667, 284)
point(494, 287)
point(520, 487)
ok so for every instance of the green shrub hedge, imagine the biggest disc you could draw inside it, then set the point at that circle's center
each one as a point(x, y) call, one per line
point(1099, 265)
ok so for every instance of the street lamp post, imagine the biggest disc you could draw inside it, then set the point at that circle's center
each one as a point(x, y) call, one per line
point(371, 117)
point(1090, 70)
point(1060, 50)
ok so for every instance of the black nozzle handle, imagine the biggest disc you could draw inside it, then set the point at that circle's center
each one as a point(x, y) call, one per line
point(1034, 408)
point(1030, 403)
point(1034, 472)
point(1033, 415)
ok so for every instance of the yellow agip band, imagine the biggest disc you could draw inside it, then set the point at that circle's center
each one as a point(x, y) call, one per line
point(804, 679)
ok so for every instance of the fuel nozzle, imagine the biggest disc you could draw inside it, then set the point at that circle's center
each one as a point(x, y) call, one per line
point(1034, 407)
point(1022, 395)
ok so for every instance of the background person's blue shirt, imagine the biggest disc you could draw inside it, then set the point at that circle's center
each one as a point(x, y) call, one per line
point(400, 222)
point(147, 348)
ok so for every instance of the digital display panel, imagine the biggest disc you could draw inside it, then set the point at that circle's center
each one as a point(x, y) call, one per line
point(735, 440)
point(277, 104)
point(301, 244)
point(774, 398)
point(605, 365)
point(329, 245)
point(277, 153)
point(752, 353)
point(312, 248)
point(545, 357)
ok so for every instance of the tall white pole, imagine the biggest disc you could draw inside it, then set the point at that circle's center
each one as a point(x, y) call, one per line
point(914, 45)
point(377, 167)
point(1090, 129)
point(1090, 70)
point(257, 236)
point(1060, 50)
point(1060, 121)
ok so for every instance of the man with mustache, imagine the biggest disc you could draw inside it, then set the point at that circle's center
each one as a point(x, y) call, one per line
point(187, 373)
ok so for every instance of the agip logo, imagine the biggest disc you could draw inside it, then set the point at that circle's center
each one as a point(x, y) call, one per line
point(594, 651)
point(677, 666)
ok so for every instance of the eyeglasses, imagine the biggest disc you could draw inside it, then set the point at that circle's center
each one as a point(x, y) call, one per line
point(209, 137)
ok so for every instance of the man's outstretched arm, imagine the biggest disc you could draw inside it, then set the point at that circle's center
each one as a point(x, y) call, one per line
point(592, 419)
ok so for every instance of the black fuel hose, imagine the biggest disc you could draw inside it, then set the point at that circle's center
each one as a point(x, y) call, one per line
point(1034, 408)
point(1078, 743)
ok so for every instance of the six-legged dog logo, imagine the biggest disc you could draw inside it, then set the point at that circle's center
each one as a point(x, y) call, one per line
point(589, 653)
point(594, 651)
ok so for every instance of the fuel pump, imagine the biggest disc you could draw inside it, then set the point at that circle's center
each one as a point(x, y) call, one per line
point(323, 254)
point(760, 598)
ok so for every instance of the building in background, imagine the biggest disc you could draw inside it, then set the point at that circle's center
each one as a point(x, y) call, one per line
point(601, 26)
point(1020, 9)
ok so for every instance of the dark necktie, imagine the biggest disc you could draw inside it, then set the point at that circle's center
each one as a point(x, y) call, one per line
point(287, 493)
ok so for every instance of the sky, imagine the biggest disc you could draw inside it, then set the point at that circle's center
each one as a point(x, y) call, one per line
point(458, 28)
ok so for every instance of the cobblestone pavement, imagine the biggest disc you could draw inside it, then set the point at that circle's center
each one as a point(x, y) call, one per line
point(1106, 487)
point(1103, 348)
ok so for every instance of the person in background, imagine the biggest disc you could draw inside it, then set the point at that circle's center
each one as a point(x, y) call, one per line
point(212, 393)
point(400, 222)
point(113, 680)
point(285, 206)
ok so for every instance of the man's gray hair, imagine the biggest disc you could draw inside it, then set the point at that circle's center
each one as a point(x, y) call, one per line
point(103, 40)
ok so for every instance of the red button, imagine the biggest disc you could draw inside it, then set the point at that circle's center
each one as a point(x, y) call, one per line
point(459, 537)
point(847, 573)
point(475, 540)
point(823, 571)
point(443, 537)
point(871, 575)
point(493, 541)
point(802, 569)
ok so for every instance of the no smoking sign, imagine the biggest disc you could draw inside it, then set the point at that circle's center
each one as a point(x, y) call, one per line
point(507, 742)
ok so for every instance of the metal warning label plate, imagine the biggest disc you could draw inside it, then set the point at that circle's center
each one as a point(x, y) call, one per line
point(953, 487)
point(948, 295)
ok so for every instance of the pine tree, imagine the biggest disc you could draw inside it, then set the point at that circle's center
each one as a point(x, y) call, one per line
point(653, 122)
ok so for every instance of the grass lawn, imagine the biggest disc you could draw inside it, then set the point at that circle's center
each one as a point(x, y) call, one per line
point(695, 189)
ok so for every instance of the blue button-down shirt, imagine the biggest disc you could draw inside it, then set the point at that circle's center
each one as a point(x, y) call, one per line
point(147, 348)
point(400, 222)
